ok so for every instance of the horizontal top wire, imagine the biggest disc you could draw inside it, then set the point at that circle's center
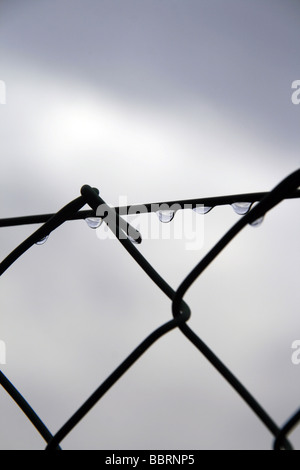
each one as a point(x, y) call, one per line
point(148, 207)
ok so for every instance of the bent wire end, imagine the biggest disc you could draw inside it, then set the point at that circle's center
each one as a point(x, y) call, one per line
point(120, 227)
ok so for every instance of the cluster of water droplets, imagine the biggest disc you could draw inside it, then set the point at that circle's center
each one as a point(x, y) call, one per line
point(240, 208)
point(166, 216)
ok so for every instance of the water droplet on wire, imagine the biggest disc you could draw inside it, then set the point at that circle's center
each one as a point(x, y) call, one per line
point(42, 240)
point(94, 222)
point(241, 208)
point(202, 209)
point(165, 216)
point(257, 222)
point(135, 241)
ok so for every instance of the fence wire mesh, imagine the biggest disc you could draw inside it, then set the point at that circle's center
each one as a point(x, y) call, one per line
point(252, 207)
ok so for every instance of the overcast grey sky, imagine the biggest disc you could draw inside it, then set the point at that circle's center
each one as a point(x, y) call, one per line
point(148, 100)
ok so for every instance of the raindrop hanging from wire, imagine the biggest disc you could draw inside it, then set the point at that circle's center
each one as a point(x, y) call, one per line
point(241, 208)
point(257, 222)
point(202, 209)
point(42, 240)
point(94, 222)
point(165, 216)
point(134, 240)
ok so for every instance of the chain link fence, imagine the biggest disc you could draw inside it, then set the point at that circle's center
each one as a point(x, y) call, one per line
point(252, 207)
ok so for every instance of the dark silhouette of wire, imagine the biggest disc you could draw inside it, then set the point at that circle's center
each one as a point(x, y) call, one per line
point(181, 313)
point(94, 200)
point(26, 408)
point(112, 379)
point(55, 221)
point(285, 188)
point(147, 208)
point(286, 429)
